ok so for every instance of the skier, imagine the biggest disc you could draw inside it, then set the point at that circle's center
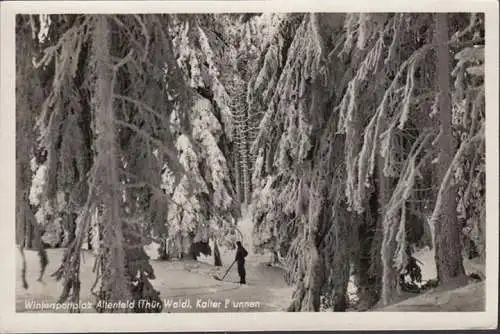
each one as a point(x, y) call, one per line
point(241, 253)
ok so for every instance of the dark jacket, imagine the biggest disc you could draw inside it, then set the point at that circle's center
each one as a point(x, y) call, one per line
point(241, 254)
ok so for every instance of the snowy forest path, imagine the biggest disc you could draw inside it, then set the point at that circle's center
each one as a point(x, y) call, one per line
point(265, 290)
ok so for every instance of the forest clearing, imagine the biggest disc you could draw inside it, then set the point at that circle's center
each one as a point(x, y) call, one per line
point(329, 162)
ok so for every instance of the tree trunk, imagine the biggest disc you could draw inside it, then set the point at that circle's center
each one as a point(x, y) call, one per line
point(275, 260)
point(237, 176)
point(29, 235)
point(341, 258)
point(313, 283)
point(89, 239)
point(187, 241)
point(69, 226)
point(114, 286)
point(241, 135)
point(390, 281)
point(447, 228)
point(217, 258)
point(368, 270)
point(307, 294)
point(162, 249)
point(27, 82)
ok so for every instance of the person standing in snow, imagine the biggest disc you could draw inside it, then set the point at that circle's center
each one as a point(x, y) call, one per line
point(241, 253)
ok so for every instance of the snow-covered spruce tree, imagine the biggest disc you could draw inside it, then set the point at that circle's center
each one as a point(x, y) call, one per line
point(124, 81)
point(47, 216)
point(271, 230)
point(465, 104)
point(400, 134)
point(206, 47)
point(115, 281)
point(29, 95)
point(217, 54)
point(243, 56)
point(75, 136)
point(320, 136)
point(371, 177)
point(448, 255)
point(300, 123)
point(150, 89)
point(203, 205)
point(468, 119)
point(385, 90)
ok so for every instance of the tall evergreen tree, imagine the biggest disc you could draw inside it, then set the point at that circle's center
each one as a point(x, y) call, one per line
point(385, 89)
point(129, 123)
point(28, 98)
point(448, 255)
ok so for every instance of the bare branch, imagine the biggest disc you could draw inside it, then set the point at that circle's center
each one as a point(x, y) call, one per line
point(145, 107)
point(124, 60)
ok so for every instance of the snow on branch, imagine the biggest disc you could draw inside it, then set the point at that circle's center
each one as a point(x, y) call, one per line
point(448, 177)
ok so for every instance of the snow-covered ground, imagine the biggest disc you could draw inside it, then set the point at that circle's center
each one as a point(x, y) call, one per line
point(469, 298)
point(175, 280)
point(427, 264)
point(194, 281)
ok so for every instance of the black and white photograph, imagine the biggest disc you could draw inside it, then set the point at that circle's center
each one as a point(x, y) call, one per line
point(248, 161)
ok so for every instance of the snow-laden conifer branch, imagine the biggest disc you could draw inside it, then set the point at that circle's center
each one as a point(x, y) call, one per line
point(377, 124)
point(448, 178)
